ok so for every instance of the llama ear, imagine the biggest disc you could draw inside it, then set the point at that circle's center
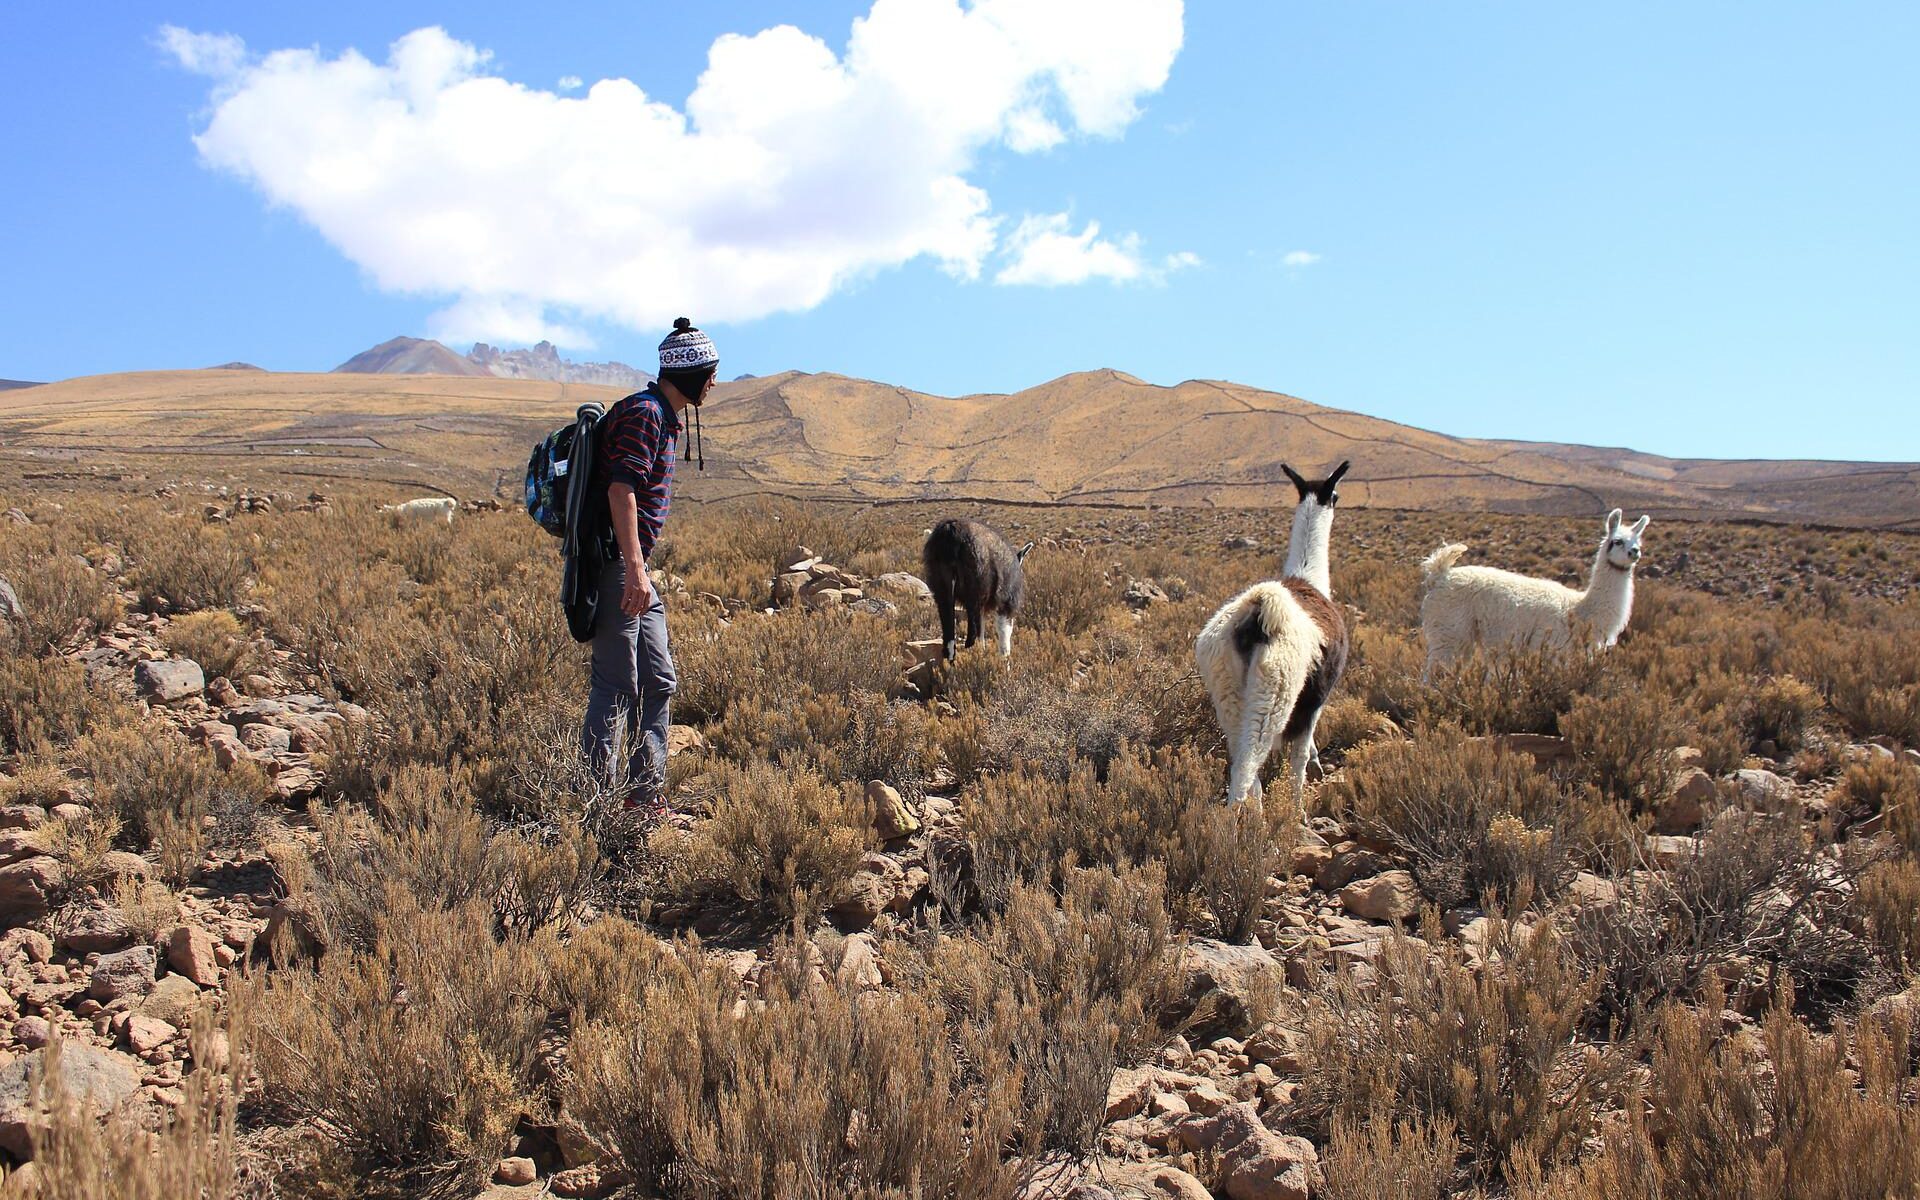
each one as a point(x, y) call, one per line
point(1338, 472)
point(1299, 484)
point(1328, 496)
point(1613, 521)
point(1640, 526)
point(1022, 554)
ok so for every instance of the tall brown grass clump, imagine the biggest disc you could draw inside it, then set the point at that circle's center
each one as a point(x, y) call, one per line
point(215, 639)
point(61, 597)
point(777, 840)
point(183, 567)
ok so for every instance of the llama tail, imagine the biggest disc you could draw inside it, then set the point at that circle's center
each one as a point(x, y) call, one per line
point(1437, 564)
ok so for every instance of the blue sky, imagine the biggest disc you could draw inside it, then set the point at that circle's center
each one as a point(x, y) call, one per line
point(1691, 229)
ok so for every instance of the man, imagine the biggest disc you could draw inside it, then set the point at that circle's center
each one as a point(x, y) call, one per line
point(632, 679)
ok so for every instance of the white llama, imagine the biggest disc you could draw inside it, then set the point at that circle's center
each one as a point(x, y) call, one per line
point(1467, 606)
point(1272, 655)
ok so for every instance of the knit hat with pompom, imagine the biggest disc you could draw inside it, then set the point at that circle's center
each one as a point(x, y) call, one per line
point(687, 349)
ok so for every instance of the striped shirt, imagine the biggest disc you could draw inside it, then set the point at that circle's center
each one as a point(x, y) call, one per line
point(636, 447)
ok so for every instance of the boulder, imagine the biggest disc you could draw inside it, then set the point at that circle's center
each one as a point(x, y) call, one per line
point(1685, 808)
point(93, 928)
point(124, 864)
point(1762, 788)
point(892, 818)
point(1226, 985)
point(685, 739)
point(903, 584)
point(16, 844)
point(190, 951)
point(1255, 1162)
point(1129, 1090)
point(174, 1000)
point(262, 738)
point(10, 609)
point(871, 890)
point(169, 679)
point(1592, 891)
point(101, 1080)
point(127, 973)
point(22, 816)
point(1389, 896)
point(146, 1033)
point(26, 888)
point(517, 1171)
point(786, 588)
point(1143, 593)
point(1350, 861)
point(34, 945)
point(1668, 851)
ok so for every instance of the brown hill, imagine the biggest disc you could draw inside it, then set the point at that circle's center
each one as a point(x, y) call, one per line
point(409, 356)
point(1098, 437)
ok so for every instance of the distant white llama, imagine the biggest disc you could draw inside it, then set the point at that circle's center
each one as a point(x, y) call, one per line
point(427, 508)
point(1468, 606)
point(1272, 655)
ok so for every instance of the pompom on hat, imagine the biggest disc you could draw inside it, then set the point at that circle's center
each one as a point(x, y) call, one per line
point(687, 349)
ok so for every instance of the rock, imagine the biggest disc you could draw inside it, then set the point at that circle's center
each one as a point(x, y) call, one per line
point(124, 864)
point(10, 609)
point(146, 1032)
point(822, 597)
point(126, 973)
point(99, 1079)
point(220, 691)
point(16, 844)
point(685, 739)
point(860, 964)
point(174, 1000)
point(786, 588)
point(228, 749)
point(36, 946)
point(892, 818)
point(1592, 891)
point(1128, 1092)
point(1669, 851)
point(1142, 593)
point(870, 891)
point(93, 928)
point(1227, 985)
point(1546, 750)
point(1762, 788)
point(1278, 1047)
point(1240, 541)
point(1255, 1162)
point(257, 686)
point(22, 816)
point(515, 1172)
point(169, 679)
point(901, 583)
point(1685, 807)
point(296, 784)
point(1309, 858)
point(190, 951)
point(1350, 861)
point(32, 1032)
point(1389, 896)
point(589, 1181)
point(26, 888)
point(262, 738)
point(295, 929)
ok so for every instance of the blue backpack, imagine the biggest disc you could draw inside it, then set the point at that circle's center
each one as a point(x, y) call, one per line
point(551, 469)
point(560, 497)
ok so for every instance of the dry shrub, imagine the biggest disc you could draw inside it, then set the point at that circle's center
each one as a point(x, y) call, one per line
point(215, 639)
point(1025, 828)
point(1490, 1051)
point(1490, 692)
point(776, 658)
point(1067, 592)
point(182, 567)
point(1890, 898)
point(1347, 723)
point(44, 703)
point(1384, 670)
point(1051, 995)
point(414, 1058)
point(1759, 898)
point(1781, 710)
point(1713, 1122)
point(809, 1089)
point(1033, 721)
point(1469, 818)
point(61, 598)
point(160, 789)
point(34, 782)
point(1379, 1159)
point(1885, 786)
point(1626, 737)
point(149, 908)
point(196, 1152)
point(605, 969)
point(778, 840)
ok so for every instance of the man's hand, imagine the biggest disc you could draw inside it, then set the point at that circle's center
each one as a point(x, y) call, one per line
point(636, 596)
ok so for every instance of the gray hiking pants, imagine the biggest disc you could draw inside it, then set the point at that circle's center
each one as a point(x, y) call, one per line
point(632, 684)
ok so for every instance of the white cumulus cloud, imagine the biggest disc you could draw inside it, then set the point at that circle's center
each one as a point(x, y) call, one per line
point(570, 83)
point(789, 171)
point(1044, 250)
point(1299, 258)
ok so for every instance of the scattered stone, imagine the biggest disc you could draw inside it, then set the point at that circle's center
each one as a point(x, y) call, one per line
point(169, 679)
point(25, 889)
point(100, 1079)
point(32, 1032)
point(262, 738)
point(1685, 808)
point(37, 946)
point(1255, 1162)
point(93, 928)
point(1760, 787)
point(126, 973)
point(174, 1000)
point(1226, 984)
point(1389, 896)
point(901, 583)
point(685, 739)
point(870, 891)
point(147, 1033)
point(515, 1172)
point(10, 609)
point(190, 951)
point(16, 844)
point(1129, 1091)
point(1143, 593)
point(892, 818)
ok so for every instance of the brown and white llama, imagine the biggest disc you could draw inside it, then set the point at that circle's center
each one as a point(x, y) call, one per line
point(1271, 657)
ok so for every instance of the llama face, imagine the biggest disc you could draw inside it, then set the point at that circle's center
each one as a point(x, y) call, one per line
point(1622, 546)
